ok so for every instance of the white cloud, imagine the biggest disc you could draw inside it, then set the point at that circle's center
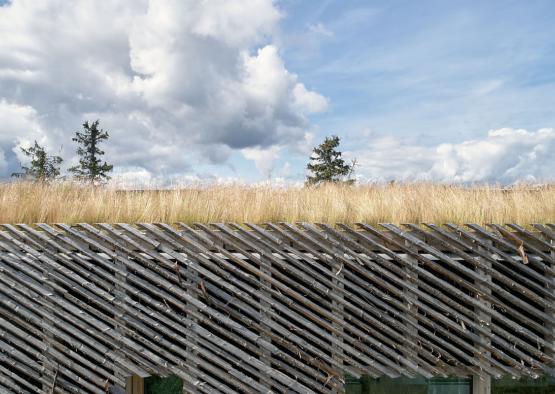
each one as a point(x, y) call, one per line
point(18, 121)
point(285, 171)
point(237, 22)
point(505, 155)
point(19, 126)
point(308, 100)
point(176, 82)
point(3, 162)
point(264, 159)
point(305, 145)
point(139, 178)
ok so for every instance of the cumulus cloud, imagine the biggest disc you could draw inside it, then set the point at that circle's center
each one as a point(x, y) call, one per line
point(264, 159)
point(19, 125)
point(176, 82)
point(505, 155)
point(308, 100)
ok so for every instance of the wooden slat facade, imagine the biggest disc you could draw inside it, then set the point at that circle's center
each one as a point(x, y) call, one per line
point(271, 308)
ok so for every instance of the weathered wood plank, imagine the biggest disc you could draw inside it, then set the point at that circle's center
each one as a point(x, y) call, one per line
point(276, 308)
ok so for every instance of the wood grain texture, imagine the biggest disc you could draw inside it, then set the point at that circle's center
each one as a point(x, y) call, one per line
point(243, 308)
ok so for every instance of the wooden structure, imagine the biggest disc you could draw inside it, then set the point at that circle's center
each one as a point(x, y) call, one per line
point(274, 308)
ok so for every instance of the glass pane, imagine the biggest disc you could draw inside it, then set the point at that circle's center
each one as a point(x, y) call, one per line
point(419, 385)
point(449, 386)
point(163, 385)
point(366, 385)
point(388, 385)
point(507, 385)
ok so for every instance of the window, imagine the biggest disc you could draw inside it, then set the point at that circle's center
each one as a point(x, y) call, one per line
point(420, 385)
point(163, 385)
point(507, 385)
point(151, 385)
point(543, 385)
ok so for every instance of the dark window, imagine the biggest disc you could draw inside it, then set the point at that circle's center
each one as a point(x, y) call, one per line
point(543, 385)
point(384, 385)
point(163, 385)
point(508, 385)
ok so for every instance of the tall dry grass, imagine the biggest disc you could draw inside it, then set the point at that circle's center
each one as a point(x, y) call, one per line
point(397, 203)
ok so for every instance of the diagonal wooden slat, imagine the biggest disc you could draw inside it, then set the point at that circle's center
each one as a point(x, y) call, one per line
point(242, 308)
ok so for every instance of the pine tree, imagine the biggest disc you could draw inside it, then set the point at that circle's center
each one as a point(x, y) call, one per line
point(43, 168)
point(90, 167)
point(326, 164)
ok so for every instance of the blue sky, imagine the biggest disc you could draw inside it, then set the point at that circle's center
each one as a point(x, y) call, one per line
point(433, 87)
point(426, 71)
point(432, 70)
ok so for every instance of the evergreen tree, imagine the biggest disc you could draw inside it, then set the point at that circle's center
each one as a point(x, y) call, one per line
point(90, 167)
point(326, 164)
point(43, 168)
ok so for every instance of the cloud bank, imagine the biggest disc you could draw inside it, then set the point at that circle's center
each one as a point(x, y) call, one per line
point(176, 82)
point(184, 84)
point(505, 155)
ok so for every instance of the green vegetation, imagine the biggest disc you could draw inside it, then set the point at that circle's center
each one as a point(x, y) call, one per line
point(43, 168)
point(90, 167)
point(327, 165)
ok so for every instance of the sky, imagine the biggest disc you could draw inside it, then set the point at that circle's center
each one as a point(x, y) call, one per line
point(448, 91)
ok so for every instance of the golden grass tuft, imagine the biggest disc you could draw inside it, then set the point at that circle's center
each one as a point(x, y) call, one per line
point(22, 202)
